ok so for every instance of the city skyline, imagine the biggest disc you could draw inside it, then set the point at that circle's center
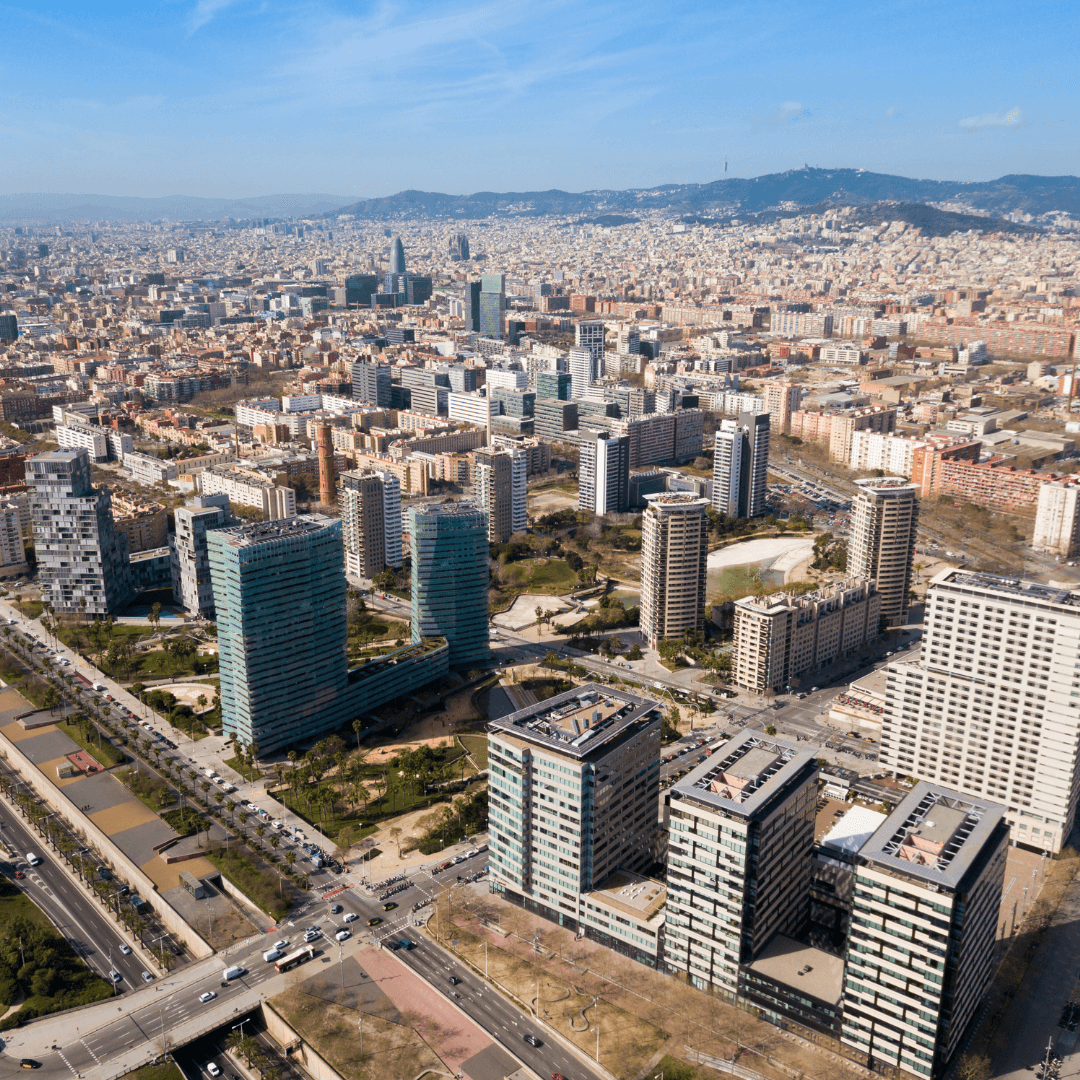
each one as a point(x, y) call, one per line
point(202, 97)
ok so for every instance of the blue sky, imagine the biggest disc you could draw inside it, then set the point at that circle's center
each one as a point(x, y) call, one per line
point(251, 97)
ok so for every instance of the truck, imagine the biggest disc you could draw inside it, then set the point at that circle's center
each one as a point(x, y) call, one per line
point(100, 687)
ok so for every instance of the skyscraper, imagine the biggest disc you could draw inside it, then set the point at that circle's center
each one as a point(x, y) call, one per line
point(727, 470)
point(500, 481)
point(363, 515)
point(450, 578)
point(189, 554)
point(604, 474)
point(574, 784)
point(674, 545)
point(82, 559)
point(553, 384)
point(755, 462)
point(371, 383)
point(582, 366)
point(589, 334)
point(391, 487)
point(988, 704)
point(920, 953)
point(884, 521)
point(492, 305)
point(397, 256)
point(472, 306)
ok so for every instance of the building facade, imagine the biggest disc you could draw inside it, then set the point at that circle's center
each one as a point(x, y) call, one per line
point(1057, 519)
point(604, 474)
point(363, 524)
point(189, 556)
point(884, 523)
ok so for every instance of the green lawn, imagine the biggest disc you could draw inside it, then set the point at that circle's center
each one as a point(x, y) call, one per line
point(242, 769)
point(186, 821)
point(540, 575)
point(167, 1070)
point(107, 754)
point(261, 887)
point(30, 608)
point(477, 745)
point(147, 786)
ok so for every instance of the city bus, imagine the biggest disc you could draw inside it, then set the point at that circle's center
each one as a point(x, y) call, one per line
point(299, 956)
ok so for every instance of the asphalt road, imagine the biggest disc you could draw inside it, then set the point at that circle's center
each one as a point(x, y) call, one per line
point(90, 931)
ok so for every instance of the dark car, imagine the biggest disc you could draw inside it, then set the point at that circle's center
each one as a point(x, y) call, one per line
point(374, 922)
point(336, 909)
point(29, 1063)
point(390, 906)
point(532, 1040)
point(454, 980)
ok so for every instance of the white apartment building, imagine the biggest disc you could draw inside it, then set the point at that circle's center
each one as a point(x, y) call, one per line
point(471, 408)
point(674, 546)
point(257, 411)
point(189, 557)
point(249, 489)
point(511, 380)
point(582, 367)
point(920, 952)
point(391, 516)
point(1057, 519)
point(574, 783)
point(740, 837)
point(727, 469)
point(991, 704)
point(84, 437)
point(149, 470)
point(604, 473)
point(844, 353)
point(893, 454)
point(884, 522)
point(783, 637)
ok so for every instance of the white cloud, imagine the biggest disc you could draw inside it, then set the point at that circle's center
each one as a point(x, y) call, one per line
point(204, 12)
point(1009, 119)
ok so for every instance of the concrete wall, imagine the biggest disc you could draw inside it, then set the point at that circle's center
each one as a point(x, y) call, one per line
point(318, 1067)
point(136, 878)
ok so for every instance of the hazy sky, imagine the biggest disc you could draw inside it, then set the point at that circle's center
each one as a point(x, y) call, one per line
point(252, 97)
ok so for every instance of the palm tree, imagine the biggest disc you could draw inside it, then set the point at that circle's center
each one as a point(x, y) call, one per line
point(290, 857)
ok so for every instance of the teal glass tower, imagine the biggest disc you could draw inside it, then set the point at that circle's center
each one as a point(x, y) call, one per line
point(279, 587)
point(492, 305)
point(450, 579)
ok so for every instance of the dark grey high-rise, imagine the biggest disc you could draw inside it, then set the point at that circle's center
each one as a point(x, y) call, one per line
point(472, 306)
point(82, 559)
point(397, 256)
point(371, 383)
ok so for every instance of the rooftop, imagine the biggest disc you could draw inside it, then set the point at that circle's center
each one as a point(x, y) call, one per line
point(638, 896)
point(934, 834)
point(1012, 587)
point(802, 967)
point(578, 721)
point(675, 498)
point(853, 829)
point(266, 532)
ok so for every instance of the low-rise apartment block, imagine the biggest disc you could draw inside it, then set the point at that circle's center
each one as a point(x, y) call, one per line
point(149, 470)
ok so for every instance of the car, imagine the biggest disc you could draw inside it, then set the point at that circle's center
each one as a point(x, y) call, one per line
point(29, 1063)
point(147, 977)
point(390, 906)
point(531, 1039)
point(336, 909)
point(115, 975)
point(311, 935)
point(557, 1076)
point(470, 853)
point(208, 996)
point(349, 917)
point(125, 949)
point(374, 922)
point(213, 1069)
point(281, 943)
point(814, 689)
point(342, 935)
point(454, 980)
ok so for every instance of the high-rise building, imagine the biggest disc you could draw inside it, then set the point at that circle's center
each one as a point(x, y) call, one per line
point(782, 637)
point(740, 466)
point(189, 554)
point(9, 327)
point(450, 578)
point(397, 256)
point(279, 588)
point(988, 704)
point(500, 480)
point(755, 428)
point(363, 524)
point(574, 783)
point(604, 474)
point(1057, 519)
point(359, 289)
point(554, 417)
point(12, 552)
point(492, 305)
point(589, 334)
point(920, 952)
point(472, 306)
point(740, 840)
point(884, 521)
point(582, 364)
point(391, 516)
point(371, 383)
point(674, 546)
point(781, 399)
point(82, 559)
point(553, 384)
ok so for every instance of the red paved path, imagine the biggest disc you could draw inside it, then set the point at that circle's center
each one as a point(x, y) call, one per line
point(458, 1038)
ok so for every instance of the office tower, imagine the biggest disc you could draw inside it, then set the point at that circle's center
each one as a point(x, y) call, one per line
point(514, 402)
point(391, 487)
point(884, 522)
point(574, 783)
point(628, 340)
point(553, 384)
point(359, 289)
point(459, 248)
point(554, 417)
point(582, 366)
point(727, 470)
point(462, 378)
point(371, 383)
point(755, 462)
point(494, 483)
point(363, 524)
point(397, 256)
point(450, 578)
point(781, 400)
point(429, 389)
point(189, 556)
point(920, 953)
point(782, 637)
point(9, 327)
point(82, 560)
point(492, 305)
point(674, 544)
point(988, 705)
point(279, 588)
point(472, 306)
point(741, 833)
point(604, 474)
point(1057, 519)
point(589, 334)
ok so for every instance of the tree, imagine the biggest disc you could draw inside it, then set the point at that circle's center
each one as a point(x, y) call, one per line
point(770, 730)
point(155, 614)
point(973, 1066)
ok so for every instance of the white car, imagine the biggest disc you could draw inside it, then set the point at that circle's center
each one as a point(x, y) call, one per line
point(350, 917)
point(343, 935)
point(213, 1069)
point(125, 949)
point(208, 996)
point(281, 944)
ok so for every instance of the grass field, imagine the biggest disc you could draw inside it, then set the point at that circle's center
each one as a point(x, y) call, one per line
point(262, 887)
point(168, 1070)
point(551, 576)
point(106, 753)
point(477, 746)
